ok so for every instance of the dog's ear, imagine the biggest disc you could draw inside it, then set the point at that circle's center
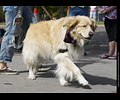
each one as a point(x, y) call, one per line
point(72, 23)
point(94, 26)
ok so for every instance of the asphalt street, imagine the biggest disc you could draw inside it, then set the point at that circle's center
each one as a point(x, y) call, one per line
point(101, 73)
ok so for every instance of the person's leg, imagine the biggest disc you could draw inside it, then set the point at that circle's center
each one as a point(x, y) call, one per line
point(28, 17)
point(7, 45)
point(72, 11)
point(85, 11)
point(94, 15)
point(110, 35)
point(111, 29)
point(100, 15)
point(7, 48)
point(115, 53)
point(111, 47)
point(3, 66)
point(114, 32)
point(90, 14)
point(114, 56)
point(110, 52)
point(80, 11)
point(111, 43)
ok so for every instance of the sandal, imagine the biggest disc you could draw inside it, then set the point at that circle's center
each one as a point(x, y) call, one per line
point(112, 57)
point(104, 57)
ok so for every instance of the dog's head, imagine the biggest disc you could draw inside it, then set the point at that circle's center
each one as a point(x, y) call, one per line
point(80, 28)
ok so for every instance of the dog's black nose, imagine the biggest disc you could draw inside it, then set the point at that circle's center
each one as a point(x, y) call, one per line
point(91, 34)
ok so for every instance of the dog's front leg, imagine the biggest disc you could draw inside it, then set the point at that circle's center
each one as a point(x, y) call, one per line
point(32, 72)
point(66, 69)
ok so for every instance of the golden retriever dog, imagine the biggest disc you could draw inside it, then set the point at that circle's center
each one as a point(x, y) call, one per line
point(60, 40)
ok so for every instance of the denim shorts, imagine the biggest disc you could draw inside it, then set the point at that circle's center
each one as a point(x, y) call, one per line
point(78, 11)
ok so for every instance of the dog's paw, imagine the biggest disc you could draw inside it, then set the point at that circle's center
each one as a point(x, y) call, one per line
point(83, 82)
point(31, 77)
point(63, 82)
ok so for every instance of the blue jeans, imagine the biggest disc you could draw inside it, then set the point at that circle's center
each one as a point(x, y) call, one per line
point(93, 15)
point(78, 11)
point(8, 42)
point(101, 17)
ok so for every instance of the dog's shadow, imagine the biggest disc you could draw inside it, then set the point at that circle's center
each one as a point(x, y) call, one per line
point(93, 80)
point(98, 80)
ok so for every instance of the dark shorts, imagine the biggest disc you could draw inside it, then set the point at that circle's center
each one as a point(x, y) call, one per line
point(111, 29)
point(78, 11)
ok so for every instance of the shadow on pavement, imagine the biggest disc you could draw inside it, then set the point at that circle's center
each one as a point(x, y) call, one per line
point(96, 80)
point(92, 79)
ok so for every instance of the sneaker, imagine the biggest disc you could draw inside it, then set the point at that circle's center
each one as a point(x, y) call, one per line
point(8, 71)
point(43, 68)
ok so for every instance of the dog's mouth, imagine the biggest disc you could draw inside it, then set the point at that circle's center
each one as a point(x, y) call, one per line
point(88, 38)
point(69, 39)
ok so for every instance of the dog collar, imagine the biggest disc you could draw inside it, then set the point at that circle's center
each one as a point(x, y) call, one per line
point(64, 25)
point(63, 50)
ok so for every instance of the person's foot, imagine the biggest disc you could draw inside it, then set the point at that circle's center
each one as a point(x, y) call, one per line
point(8, 71)
point(105, 57)
point(4, 70)
point(112, 57)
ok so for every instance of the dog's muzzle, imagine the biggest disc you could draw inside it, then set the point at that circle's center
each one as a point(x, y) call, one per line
point(90, 34)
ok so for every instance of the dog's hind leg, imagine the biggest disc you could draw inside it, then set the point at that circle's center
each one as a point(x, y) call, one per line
point(67, 69)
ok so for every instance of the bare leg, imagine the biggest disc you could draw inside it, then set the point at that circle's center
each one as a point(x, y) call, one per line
point(114, 56)
point(111, 47)
point(115, 53)
point(3, 66)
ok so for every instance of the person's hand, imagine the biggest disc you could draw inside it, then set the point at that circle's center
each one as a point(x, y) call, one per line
point(103, 11)
point(107, 10)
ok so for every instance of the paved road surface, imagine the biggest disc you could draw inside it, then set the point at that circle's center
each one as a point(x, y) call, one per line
point(100, 73)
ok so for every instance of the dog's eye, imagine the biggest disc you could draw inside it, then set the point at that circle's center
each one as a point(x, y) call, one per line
point(84, 26)
point(91, 26)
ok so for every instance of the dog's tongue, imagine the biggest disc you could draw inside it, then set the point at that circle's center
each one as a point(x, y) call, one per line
point(68, 38)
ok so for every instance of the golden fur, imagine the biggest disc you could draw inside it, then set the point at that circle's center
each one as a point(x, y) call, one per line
point(44, 40)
